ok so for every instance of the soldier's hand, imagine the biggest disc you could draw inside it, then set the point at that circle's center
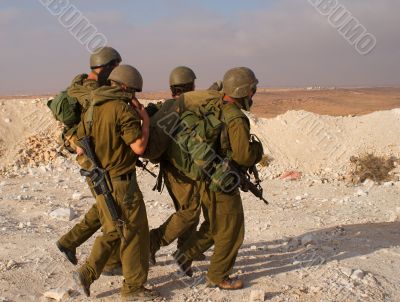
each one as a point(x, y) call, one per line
point(80, 151)
point(139, 108)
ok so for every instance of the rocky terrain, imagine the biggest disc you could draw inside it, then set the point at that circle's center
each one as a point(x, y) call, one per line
point(320, 239)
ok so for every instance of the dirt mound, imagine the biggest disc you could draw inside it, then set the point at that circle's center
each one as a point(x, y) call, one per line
point(295, 141)
point(23, 124)
point(323, 145)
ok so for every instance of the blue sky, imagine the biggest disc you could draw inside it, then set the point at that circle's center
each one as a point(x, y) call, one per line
point(286, 42)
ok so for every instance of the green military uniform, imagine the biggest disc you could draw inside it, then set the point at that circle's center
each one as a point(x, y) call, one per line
point(81, 88)
point(224, 220)
point(115, 126)
point(185, 196)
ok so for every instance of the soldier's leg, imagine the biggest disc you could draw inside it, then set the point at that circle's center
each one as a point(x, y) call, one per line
point(184, 193)
point(83, 230)
point(201, 240)
point(135, 252)
point(228, 234)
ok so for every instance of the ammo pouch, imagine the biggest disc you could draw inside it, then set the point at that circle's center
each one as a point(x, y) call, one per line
point(224, 179)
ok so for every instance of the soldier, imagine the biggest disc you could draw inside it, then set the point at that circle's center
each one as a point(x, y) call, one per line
point(224, 220)
point(119, 127)
point(102, 62)
point(183, 190)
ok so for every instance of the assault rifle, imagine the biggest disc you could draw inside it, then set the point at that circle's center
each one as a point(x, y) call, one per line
point(143, 166)
point(98, 176)
point(245, 180)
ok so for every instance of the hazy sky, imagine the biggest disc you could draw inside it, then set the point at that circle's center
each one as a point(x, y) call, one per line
point(286, 42)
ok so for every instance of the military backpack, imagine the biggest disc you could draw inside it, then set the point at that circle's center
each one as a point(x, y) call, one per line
point(65, 109)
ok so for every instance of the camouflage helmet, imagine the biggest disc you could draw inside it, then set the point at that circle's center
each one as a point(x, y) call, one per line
point(103, 56)
point(181, 75)
point(239, 82)
point(127, 75)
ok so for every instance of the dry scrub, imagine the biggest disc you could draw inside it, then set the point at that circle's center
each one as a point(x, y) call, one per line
point(370, 166)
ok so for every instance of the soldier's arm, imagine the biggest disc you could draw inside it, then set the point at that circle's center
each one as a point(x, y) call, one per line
point(244, 152)
point(135, 128)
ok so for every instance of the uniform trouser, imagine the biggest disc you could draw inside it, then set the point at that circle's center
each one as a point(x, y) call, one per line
point(134, 253)
point(85, 229)
point(223, 227)
point(183, 223)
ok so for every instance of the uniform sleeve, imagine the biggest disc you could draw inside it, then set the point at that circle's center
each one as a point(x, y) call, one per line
point(130, 123)
point(244, 152)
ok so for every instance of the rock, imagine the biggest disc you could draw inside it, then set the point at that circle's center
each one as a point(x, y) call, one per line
point(7, 120)
point(77, 196)
point(66, 214)
point(291, 175)
point(361, 193)
point(388, 184)
point(57, 294)
point(299, 198)
point(308, 239)
point(23, 197)
point(369, 183)
point(357, 275)
point(253, 248)
point(257, 295)
point(11, 264)
point(347, 199)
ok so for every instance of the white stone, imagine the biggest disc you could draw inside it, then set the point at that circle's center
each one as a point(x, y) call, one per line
point(253, 247)
point(7, 120)
point(299, 198)
point(257, 295)
point(66, 214)
point(57, 294)
point(368, 183)
point(360, 192)
point(388, 184)
point(357, 275)
point(11, 264)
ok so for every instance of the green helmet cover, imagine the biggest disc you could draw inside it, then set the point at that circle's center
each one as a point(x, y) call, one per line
point(239, 82)
point(127, 75)
point(181, 75)
point(103, 56)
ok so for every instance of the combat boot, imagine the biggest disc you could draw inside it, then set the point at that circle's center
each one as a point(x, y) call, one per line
point(81, 282)
point(185, 265)
point(142, 295)
point(200, 257)
point(68, 253)
point(154, 247)
point(230, 284)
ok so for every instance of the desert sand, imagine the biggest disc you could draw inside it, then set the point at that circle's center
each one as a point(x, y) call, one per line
point(320, 239)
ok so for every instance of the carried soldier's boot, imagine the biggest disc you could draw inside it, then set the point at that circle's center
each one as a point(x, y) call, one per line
point(68, 253)
point(200, 257)
point(82, 282)
point(154, 247)
point(228, 284)
point(112, 271)
point(185, 265)
point(143, 294)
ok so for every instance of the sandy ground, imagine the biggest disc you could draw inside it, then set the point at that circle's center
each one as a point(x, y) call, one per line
point(320, 239)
